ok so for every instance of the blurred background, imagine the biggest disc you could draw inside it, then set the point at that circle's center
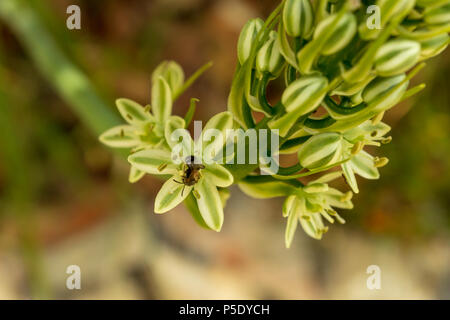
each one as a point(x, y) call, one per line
point(65, 199)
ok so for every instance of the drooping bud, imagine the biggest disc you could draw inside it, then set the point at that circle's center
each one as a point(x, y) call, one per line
point(298, 18)
point(380, 86)
point(340, 36)
point(301, 97)
point(320, 150)
point(438, 15)
point(269, 58)
point(247, 39)
point(172, 73)
point(434, 46)
point(396, 56)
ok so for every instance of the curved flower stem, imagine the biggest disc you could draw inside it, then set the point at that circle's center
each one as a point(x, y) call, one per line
point(309, 173)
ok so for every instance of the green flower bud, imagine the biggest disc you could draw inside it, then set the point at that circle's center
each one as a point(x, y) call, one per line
point(384, 93)
point(439, 15)
point(432, 47)
point(396, 56)
point(320, 150)
point(247, 38)
point(172, 73)
point(301, 95)
point(298, 18)
point(340, 36)
point(380, 86)
point(269, 58)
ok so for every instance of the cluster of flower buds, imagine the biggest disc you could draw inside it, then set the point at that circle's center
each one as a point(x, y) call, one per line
point(342, 70)
point(343, 64)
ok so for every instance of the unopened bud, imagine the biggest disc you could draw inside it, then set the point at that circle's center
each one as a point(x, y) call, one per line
point(269, 58)
point(316, 188)
point(302, 94)
point(432, 47)
point(320, 150)
point(438, 15)
point(380, 87)
point(172, 73)
point(247, 39)
point(298, 18)
point(396, 56)
point(339, 37)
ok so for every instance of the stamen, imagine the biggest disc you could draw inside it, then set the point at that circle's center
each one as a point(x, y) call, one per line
point(386, 140)
point(380, 162)
point(196, 194)
point(377, 119)
point(347, 196)
point(357, 147)
point(162, 167)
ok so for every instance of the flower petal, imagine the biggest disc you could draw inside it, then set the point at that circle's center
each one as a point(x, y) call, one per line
point(132, 111)
point(153, 161)
point(171, 194)
point(335, 198)
point(218, 175)
point(209, 203)
point(349, 175)
point(214, 133)
point(123, 136)
point(265, 189)
point(174, 123)
point(294, 215)
point(363, 165)
point(135, 175)
point(288, 204)
point(161, 100)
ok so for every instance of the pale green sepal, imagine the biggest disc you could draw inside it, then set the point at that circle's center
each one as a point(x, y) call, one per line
point(161, 100)
point(153, 161)
point(123, 136)
point(135, 175)
point(220, 176)
point(170, 195)
point(209, 203)
point(132, 111)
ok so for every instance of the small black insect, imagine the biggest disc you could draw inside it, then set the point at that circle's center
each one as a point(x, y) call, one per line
point(191, 173)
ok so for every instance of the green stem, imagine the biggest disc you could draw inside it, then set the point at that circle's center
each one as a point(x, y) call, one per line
point(73, 85)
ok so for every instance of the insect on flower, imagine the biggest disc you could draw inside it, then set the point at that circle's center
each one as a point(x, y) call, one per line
point(191, 172)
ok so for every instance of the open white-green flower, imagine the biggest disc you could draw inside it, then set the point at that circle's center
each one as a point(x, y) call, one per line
point(192, 167)
point(325, 149)
point(361, 162)
point(305, 204)
point(145, 128)
point(311, 203)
